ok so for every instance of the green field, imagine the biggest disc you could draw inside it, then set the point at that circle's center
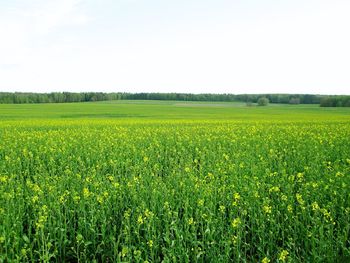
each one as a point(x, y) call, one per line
point(149, 181)
point(150, 110)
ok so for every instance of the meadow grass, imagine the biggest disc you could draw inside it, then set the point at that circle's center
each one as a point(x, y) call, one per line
point(150, 181)
point(170, 110)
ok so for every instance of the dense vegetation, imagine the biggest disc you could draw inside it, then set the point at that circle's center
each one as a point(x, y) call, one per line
point(60, 97)
point(335, 101)
point(263, 101)
point(267, 189)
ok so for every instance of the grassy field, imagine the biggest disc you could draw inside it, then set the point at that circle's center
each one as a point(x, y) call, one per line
point(149, 181)
point(150, 110)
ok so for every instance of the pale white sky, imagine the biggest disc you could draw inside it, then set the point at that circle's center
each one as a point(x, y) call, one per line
point(198, 46)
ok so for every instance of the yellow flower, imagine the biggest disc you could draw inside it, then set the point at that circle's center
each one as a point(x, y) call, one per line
point(41, 221)
point(137, 254)
point(86, 192)
point(267, 209)
point(274, 189)
point(140, 220)
point(35, 198)
point(222, 209)
point(200, 202)
point(300, 199)
point(190, 221)
point(99, 199)
point(237, 196)
point(236, 222)
point(226, 157)
point(166, 205)
point(148, 214)
point(150, 243)
point(124, 251)
point(62, 198)
point(315, 206)
point(36, 188)
point(3, 179)
point(127, 214)
point(300, 177)
point(76, 198)
point(210, 176)
point(339, 174)
point(265, 260)
point(283, 255)
point(234, 240)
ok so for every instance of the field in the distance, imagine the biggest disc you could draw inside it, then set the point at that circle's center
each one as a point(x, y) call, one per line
point(150, 110)
point(136, 181)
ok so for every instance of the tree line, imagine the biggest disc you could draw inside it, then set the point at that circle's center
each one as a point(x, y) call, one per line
point(64, 97)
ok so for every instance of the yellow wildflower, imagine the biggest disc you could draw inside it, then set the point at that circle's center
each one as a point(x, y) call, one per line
point(35, 199)
point(274, 189)
point(222, 209)
point(140, 220)
point(283, 255)
point(267, 209)
point(234, 240)
point(300, 199)
point(86, 192)
point(3, 179)
point(236, 222)
point(200, 202)
point(315, 206)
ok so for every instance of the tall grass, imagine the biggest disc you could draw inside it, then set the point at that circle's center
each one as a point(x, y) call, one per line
point(174, 191)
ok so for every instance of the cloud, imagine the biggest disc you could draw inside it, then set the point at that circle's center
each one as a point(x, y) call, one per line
point(55, 14)
point(238, 46)
point(23, 26)
point(8, 66)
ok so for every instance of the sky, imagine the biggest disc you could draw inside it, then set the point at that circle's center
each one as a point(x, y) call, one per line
point(192, 46)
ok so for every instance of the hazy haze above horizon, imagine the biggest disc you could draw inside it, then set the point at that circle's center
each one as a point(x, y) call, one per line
point(196, 46)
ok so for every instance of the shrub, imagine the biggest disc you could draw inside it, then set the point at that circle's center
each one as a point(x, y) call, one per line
point(263, 101)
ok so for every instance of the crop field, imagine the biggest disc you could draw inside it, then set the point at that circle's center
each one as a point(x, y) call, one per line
point(174, 182)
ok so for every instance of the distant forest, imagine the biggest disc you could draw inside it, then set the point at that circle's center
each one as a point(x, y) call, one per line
point(63, 97)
